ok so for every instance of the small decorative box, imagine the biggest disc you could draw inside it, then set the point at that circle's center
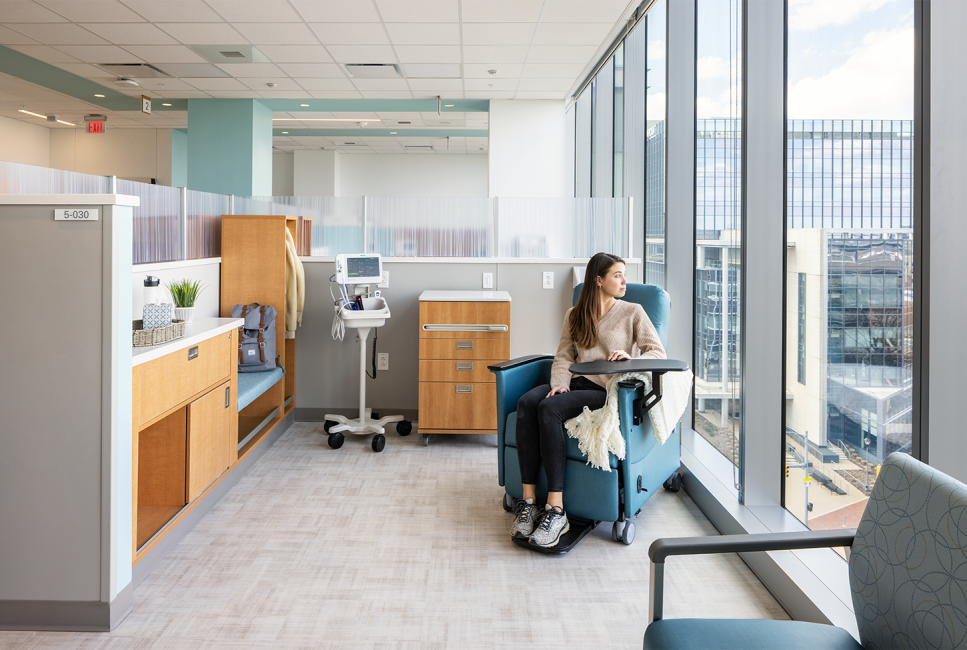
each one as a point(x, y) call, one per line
point(157, 316)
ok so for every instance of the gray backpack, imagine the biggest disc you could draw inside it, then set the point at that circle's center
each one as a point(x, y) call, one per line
point(256, 337)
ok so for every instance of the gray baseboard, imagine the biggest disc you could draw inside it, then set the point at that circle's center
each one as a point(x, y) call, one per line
point(161, 549)
point(66, 615)
point(319, 415)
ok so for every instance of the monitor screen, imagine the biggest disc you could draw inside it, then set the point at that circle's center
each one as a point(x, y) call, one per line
point(362, 267)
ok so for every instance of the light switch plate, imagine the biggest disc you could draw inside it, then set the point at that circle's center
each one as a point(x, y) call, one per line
point(488, 280)
point(548, 280)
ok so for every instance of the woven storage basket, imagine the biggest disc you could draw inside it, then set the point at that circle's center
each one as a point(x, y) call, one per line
point(144, 338)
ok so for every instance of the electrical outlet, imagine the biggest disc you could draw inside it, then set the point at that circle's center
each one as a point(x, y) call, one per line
point(548, 282)
point(384, 283)
point(488, 280)
point(382, 361)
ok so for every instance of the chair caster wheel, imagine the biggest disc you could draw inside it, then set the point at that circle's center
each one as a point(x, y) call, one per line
point(426, 439)
point(674, 482)
point(623, 532)
point(379, 441)
point(375, 416)
point(508, 503)
point(328, 425)
point(336, 440)
point(404, 427)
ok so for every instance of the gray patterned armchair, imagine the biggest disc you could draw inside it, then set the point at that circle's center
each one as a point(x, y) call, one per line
point(907, 573)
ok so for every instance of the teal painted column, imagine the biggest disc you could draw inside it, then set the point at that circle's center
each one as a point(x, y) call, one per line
point(230, 146)
point(179, 158)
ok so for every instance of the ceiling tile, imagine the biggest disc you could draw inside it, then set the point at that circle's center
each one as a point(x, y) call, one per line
point(437, 85)
point(10, 37)
point(256, 11)
point(325, 70)
point(485, 84)
point(553, 70)
point(336, 11)
point(226, 83)
point(233, 94)
point(494, 54)
point(498, 33)
point(386, 94)
point(181, 11)
point(99, 53)
point(130, 33)
point(422, 33)
point(350, 33)
point(310, 83)
point(540, 94)
point(502, 11)
point(418, 11)
point(59, 34)
point(296, 53)
point(252, 69)
point(185, 94)
point(428, 53)
point(490, 94)
point(95, 11)
point(281, 83)
point(277, 33)
point(381, 84)
point(336, 94)
point(481, 70)
point(284, 94)
point(85, 70)
point(19, 11)
point(433, 70)
point(165, 54)
point(398, 116)
point(584, 33)
point(362, 53)
point(582, 11)
point(165, 85)
point(561, 54)
point(203, 33)
point(561, 85)
point(194, 70)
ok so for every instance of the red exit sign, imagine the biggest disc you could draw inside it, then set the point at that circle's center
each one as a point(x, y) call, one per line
point(95, 127)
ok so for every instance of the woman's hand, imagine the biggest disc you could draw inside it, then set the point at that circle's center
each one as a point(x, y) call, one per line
point(555, 391)
point(618, 355)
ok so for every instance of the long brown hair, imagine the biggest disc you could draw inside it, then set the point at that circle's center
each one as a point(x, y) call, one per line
point(584, 317)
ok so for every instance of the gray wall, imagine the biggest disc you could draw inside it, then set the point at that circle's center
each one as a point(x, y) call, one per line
point(327, 374)
point(50, 401)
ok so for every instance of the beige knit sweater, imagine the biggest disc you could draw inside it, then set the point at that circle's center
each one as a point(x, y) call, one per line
point(625, 327)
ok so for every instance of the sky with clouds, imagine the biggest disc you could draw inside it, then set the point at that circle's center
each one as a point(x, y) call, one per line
point(848, 59)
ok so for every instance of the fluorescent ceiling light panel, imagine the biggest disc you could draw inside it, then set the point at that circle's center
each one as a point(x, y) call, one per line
point(324, 119)
point(231, 53)
point(43, 117)
point(432, 70)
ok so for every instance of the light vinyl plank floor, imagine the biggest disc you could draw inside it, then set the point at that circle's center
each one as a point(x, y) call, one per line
point(407, 548)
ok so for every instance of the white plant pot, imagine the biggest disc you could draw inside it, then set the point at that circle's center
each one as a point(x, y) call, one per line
point(186, 314)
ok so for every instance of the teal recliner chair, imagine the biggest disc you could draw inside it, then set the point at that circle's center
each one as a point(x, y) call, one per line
point(907, 573)
point(593, 495)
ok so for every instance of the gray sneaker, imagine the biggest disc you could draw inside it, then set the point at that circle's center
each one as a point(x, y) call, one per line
point(526, 519)
point(553, 524)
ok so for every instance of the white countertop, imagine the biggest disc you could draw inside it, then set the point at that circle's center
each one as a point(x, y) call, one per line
point(465, 296)
point(199, 330)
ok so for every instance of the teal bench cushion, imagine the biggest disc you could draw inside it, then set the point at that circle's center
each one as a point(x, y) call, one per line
point(743, 634)
point(253, 384)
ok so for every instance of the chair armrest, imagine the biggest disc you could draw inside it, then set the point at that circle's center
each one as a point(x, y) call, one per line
point(660, 549)
point(519, 361)
point(628, 365)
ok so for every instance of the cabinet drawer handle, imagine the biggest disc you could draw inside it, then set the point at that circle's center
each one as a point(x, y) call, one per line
point(464, 365)
point(192, 353)
point(465, 345)
point(463, 327)
point(464, 388)
point(228, 394)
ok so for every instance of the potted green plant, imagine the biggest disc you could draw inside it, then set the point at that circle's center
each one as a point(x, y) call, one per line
point(184, 293)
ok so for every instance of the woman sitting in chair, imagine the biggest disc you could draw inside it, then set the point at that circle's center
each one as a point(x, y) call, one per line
point(599, 327)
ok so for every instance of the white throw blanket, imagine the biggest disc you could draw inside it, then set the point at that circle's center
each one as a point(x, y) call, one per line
point(598, 433)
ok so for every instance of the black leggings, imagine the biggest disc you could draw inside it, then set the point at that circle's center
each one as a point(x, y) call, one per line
point(540, 428)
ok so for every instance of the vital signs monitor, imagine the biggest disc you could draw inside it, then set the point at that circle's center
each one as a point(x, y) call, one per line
point(359, 268)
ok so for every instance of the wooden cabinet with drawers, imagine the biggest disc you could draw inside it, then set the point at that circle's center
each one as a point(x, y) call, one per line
point(461, 333)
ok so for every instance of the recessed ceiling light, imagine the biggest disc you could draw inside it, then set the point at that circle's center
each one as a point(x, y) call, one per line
point(449, 105)
point(285, 133)
point(392, 132)
point(304, 105)
point(99, 95)
point(166, 104)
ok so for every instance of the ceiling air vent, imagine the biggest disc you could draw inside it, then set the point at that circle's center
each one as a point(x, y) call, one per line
point(404, 122)
point(373, 70)
point(232, 55)
point(419, 148)
point(133, 70)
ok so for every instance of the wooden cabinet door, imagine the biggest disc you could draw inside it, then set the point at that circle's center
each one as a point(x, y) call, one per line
point(209, 426)
point(458, 406)
point(175, 377)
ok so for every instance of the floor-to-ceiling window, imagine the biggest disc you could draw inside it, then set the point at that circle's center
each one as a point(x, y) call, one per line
point(849, 253)
point(655, 146)
point(718, 209)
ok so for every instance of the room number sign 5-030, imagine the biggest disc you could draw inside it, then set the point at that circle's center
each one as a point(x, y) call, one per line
point(76, 214)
